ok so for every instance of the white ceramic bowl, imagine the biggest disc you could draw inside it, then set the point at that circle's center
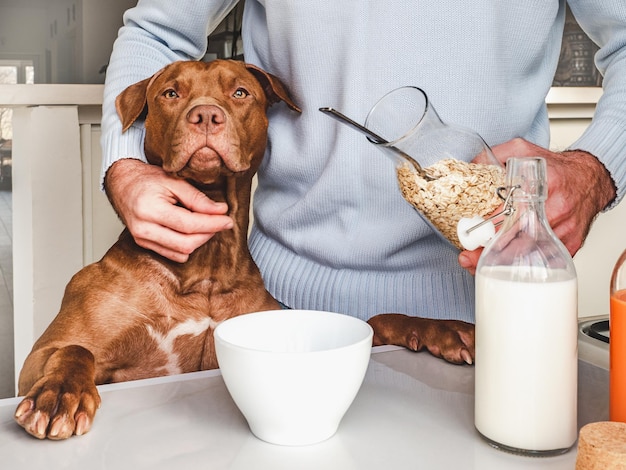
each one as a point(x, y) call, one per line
point(293, 373)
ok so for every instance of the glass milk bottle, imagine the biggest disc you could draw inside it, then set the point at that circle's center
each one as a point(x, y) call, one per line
point(617, 342)
point(526, 326)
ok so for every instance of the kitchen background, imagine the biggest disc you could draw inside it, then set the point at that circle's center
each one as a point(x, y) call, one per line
point(53, 217)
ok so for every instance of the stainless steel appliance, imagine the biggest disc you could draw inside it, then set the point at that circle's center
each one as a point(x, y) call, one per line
point(593, 369)
point(593, 340)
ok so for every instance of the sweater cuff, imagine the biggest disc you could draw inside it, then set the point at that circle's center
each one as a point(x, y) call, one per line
point(117, 145)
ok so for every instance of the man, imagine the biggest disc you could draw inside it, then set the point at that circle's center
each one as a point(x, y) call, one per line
point(331, 229)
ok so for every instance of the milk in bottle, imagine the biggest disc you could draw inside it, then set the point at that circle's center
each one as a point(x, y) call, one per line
point(526, 326)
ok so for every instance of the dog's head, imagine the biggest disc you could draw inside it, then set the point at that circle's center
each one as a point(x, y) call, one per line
point(204, 120)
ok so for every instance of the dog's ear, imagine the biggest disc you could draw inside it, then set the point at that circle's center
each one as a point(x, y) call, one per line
point(131, 102)
point(273, 87)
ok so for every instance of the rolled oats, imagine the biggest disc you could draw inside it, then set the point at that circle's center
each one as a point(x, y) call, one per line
point(459, 189)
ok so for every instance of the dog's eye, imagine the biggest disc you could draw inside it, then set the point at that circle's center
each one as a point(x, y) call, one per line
point(241, 93)
point(169, 93)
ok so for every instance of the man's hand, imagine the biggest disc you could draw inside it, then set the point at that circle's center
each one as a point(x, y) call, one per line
point(579, 187)
point(164, 214)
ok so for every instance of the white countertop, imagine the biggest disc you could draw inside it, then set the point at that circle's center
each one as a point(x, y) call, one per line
point(413, 411)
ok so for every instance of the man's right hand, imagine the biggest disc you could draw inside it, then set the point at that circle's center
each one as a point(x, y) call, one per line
point(163, 214)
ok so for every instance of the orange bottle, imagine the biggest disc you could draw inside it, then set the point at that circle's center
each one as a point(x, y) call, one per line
point(617, 342)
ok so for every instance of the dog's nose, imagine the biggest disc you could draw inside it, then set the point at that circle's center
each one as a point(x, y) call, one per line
point(208, 118)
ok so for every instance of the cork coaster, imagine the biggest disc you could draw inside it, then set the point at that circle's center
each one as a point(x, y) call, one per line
point(602, 446)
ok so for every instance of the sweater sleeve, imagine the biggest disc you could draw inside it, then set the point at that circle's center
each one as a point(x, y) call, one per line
point(155, 33)
point(605, 23)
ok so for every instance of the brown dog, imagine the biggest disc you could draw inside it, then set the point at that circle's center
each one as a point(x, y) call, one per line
point(135, 314)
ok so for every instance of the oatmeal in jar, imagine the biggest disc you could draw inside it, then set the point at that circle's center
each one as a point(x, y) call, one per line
point(458, 189)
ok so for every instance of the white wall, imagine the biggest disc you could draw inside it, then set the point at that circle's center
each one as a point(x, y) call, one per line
point(100, 23)
point(70, 40)
point(23, 33)
point(606, 240)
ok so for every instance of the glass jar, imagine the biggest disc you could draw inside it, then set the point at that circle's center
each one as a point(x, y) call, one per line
point(526, 326)
point(453, 188)
point(617, 342)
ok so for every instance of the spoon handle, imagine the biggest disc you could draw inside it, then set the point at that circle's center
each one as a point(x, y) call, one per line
point(332, 112)
point(375, 138)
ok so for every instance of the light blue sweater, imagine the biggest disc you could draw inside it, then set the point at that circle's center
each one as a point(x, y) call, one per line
point(331, 228)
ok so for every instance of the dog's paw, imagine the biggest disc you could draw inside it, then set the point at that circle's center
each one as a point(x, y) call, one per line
point(57, 410)
point(451, 340)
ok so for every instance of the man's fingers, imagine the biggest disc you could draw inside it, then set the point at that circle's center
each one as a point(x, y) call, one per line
point(195, 200)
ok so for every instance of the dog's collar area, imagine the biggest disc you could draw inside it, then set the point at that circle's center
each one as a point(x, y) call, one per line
point(215, 190)
point(211, 187)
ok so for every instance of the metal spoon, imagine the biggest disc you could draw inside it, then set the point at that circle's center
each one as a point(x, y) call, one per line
point(375, 138)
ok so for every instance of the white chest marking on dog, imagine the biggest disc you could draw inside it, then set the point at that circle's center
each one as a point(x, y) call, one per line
point(166, 341)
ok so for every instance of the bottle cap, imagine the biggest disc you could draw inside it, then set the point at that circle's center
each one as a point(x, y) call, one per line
point(474, 232)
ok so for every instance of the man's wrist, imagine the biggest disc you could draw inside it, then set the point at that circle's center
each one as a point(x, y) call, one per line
point(115, 177)
point(604, 190)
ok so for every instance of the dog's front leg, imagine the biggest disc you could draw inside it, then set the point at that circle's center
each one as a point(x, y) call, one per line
point(452, 340)
point(64, 400)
